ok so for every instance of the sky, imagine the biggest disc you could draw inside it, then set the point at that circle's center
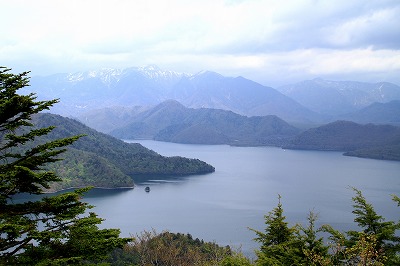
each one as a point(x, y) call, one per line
point(273, 42)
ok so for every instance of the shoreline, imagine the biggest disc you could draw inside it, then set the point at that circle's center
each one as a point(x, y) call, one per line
point(92, 187)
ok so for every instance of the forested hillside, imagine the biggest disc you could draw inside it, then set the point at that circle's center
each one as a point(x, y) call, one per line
point(369, 141)
point(172, 122)
point(103, 161)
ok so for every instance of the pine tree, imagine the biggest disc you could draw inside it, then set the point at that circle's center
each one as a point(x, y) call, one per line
point(279, 246)
point(312, 246)
point(381, 233)
point(52, 230)
point(377, 243)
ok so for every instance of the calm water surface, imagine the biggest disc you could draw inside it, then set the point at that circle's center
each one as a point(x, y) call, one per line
point(221, 206)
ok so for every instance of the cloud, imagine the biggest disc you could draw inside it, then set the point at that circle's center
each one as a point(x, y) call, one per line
point(379, 29)
point(261, 39)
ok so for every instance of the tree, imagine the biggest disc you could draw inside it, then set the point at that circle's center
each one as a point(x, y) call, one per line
point(383, 232)
point(312, 246)
point(376, 244)
point(54, 229)
point(278, 242)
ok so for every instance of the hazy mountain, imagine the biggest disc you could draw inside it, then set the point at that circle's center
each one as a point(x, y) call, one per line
point(100, 160)
point(312, 101)
point(109, 118)
point(212, 90)
point(148, 86)
point(173, 122)
point(340, 97)
point(89, 90)
point(371, 141)
point(378, 113)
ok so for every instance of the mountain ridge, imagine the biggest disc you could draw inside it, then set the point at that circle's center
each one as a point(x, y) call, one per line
point(377, 113)
point(367, 141)
point(307, 103)
point(340, 97)
point(148, 86)
point(173, 122)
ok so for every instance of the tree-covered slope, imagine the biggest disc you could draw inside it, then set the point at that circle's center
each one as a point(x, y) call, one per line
point(103, 161)
point(172, 122)
point(369, 141)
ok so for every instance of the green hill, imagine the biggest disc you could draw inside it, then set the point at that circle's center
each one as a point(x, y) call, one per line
point(103, 161)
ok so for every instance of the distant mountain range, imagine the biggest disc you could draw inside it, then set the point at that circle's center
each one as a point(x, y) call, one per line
point(335, 98)
point(149, 86)
point(309, 102)
point(171, 121)
point(147, 102)
point(377, 113)
point(100, 160)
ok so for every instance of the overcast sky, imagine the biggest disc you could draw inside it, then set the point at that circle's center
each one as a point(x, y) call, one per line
point(271, 42)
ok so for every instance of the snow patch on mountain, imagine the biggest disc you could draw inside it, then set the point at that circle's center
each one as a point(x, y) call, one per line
point(110, 76)
point(106, 75)
point(154, 72)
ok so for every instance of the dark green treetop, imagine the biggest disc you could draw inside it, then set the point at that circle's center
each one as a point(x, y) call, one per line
point(279, 245)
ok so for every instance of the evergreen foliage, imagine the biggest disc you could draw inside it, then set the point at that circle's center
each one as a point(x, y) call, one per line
point(53, 230)
point(313, 249)
point(278, 242)
point(377, 243)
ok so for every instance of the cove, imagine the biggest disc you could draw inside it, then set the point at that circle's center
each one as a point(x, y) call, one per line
point(221, 206)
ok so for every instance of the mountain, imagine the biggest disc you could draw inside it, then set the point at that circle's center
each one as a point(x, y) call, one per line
point(309, 102)
point(340, 97)
point(83, 91)
point(100, 160)
point(212, 90)
point(370, 141)
point(378, 113)
point(149, 86)
point(173, 122)
point(108, 118)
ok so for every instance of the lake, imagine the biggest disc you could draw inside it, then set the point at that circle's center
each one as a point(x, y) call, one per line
point(221, 206)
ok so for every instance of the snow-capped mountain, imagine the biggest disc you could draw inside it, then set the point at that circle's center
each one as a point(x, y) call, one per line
point(106, 75)
point(105, 87)
point(111, 75)
point(150, 85)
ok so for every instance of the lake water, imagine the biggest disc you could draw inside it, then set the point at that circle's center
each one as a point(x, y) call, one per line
point(245, 186)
